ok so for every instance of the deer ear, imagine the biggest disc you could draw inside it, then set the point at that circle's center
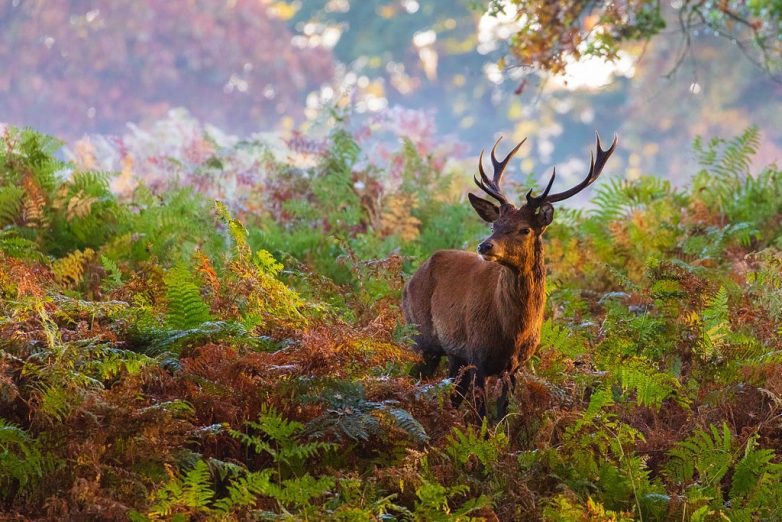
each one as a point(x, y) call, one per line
point(545, 215)
point(486, 209)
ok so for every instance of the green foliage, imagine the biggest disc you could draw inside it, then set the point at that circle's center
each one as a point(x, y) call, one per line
point(766, 281)
point(724, 184)
point(194, 492)
point(434, 503)
point(350, 414)
point(727, 161)
point(186, 308)
point(651, 388)
point(130, 348)
point(714, 324)
point(617, 198)
point(560, 338)
point(67, 212)
point(191, 493)
point(709, 453)
point(283, 443)
point(158, 341)
point(487, 448)
point(268, 299)
point(245, 490)
point(703, 461)
point(21, 461)
point(552, 34)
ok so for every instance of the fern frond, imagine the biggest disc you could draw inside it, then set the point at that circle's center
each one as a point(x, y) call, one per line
point(186, 307)
point(301, 490)
point(562, 339)
point(715, 325)
point(651, 387)
point(69, 270)
point(408, 424)
point(19, 247)
point(189, 493)
point(157, 341)
point(600, 399)
point(11, 199)
point(244, 491)
point(462, 445)
point(280, 438)
point(755, 467)
point(618, 197)
point(350, 414)
point(710, 453)
point(21, 461)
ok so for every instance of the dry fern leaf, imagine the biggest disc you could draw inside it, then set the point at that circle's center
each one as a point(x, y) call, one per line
point(69, 270)
point(397, 219)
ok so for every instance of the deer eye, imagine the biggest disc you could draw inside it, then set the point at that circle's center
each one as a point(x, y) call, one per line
point(524, 231)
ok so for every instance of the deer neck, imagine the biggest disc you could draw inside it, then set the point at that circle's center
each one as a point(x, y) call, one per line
point(521, 296)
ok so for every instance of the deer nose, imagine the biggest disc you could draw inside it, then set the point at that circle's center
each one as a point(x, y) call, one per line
point(485, 247)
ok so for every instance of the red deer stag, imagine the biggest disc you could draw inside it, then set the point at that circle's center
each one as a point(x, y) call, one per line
point(484, 311)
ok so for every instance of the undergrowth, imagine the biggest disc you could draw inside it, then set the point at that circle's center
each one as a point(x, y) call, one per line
point(163, 359)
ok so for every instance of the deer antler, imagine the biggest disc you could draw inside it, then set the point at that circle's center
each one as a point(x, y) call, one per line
point(492, 187)
point(596, 167)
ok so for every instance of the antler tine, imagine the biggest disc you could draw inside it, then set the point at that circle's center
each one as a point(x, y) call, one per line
point(596, 164)
point(486, 185)
point(484, 177)
point(492, 187)
point(499, 166)
point(534, 201)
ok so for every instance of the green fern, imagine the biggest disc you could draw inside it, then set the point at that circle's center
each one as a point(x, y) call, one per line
point(728, 159)
point(562, 339)
point(113, 277)
point(300, 491)
point(702, 461)
point(28, 152)
point(157, 340)
point(707, 453)
point(280, 438)
point(16, 246)
point(405, 421)
point(617, 197)
point(650, 386)
point(191, 493)
point(236, 231)
point(755, 467)
point(600, 399)
point(21, 461)
point(434, 501)
point(766, 280)
point(245, 490)
point(111, 362)
point(269, 297)
point(463, 445)
point(715, 325)
point(350, 414)
point(186, 307)
point(725, 185)
point(55, 401)
point(756, 484)
point(11, 198)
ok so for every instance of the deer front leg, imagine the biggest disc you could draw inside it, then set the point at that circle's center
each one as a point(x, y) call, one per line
point(508, 386)
point(426, 368)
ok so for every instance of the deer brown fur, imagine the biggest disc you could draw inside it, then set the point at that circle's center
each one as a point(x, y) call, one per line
point(484, 311)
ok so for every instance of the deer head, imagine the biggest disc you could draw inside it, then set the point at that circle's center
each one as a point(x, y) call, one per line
point(514, 229)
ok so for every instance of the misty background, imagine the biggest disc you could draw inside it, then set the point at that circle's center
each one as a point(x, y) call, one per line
point(76, 67)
